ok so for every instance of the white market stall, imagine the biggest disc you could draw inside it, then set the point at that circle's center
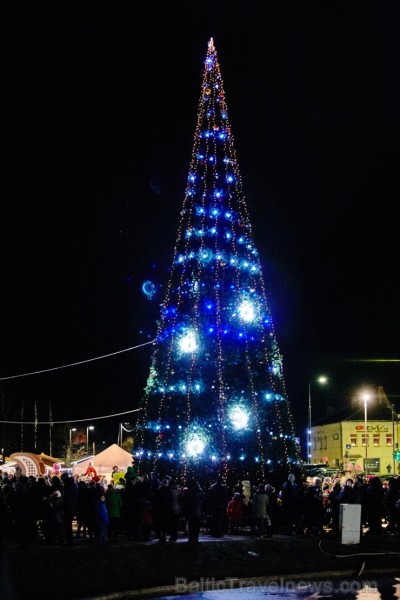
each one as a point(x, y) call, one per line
point(104, 462)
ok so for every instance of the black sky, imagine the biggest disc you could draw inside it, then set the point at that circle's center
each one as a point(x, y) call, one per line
point(99, 117)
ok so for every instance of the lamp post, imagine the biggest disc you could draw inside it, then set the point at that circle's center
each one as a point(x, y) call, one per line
point(91, 427)
point(322, 380)
point(365, 397)
point(70, 437)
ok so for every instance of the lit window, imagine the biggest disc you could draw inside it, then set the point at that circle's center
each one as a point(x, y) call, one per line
point(376, 439)
point(353, 439)
point(364, 439)
point(389, 439)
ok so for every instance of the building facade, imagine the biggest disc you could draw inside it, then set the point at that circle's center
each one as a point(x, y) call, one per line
point(342, 445)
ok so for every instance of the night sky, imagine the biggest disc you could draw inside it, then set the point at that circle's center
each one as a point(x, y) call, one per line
point(100, 104)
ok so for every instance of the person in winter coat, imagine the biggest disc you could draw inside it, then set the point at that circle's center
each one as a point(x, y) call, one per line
point(235, 512)
point(101, 520)
point(313, 508)
point(146, 519)
point(84, 506)
point(334, 507)
point(192, 499)
point(91, 471)
point(374, 506)
point(51, 527)
point(114, 506)
point(393, 497)
point(346, 495)
point(272, 517)
point(70, 506)
point(259, 504)
point(132, 501)
point(163, 509)
point(288, 496)
point(217, 500)
point(176, 510)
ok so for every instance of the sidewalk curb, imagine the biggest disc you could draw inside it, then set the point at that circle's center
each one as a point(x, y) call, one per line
point(242, 582)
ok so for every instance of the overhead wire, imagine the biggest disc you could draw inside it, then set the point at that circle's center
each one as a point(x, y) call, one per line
point(81, 362)
point(72, 420)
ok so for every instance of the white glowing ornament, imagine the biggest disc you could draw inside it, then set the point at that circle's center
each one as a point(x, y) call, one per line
point(246, 311)
point(195, 446)
point(188, 342)
point(239, 417)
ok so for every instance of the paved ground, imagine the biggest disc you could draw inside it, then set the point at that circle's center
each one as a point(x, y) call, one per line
point(129, 569)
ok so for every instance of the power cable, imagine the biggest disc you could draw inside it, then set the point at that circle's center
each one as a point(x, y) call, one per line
point(81, 362)
point(70, 421)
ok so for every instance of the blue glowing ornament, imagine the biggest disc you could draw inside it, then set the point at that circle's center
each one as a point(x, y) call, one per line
point(148, 289)
point(205, 255)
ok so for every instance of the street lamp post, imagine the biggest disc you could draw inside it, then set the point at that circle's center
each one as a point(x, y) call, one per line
point(365, 398)
point(322, 380)
point(91, 427)
point(70, 437)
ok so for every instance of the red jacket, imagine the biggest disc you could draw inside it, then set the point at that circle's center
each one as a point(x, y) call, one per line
point(235, 509)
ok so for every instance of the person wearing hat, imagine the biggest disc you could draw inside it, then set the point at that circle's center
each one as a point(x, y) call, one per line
point(235, 512)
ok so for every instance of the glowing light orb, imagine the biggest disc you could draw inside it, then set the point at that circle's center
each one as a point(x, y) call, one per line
point(195, 446)
point(246, 311)
point(148, 289)
point(188, 342)
point(239, 417)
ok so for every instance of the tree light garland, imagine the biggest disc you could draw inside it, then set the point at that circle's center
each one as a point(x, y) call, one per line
point(215, 338)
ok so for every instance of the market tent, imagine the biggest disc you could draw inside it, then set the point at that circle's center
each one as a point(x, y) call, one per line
point(105, 461)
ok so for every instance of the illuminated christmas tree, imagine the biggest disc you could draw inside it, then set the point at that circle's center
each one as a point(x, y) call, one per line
point(215, 400)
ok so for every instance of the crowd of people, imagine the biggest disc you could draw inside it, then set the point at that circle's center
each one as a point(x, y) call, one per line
point(60, 509)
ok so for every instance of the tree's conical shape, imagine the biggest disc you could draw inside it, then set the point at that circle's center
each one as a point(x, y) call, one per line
point(215, 401)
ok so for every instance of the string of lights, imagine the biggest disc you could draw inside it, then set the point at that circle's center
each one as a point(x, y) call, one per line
point(215, 398)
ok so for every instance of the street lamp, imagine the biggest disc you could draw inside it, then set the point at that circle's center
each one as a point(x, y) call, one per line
point(322, 380)
point(91, 427)
point(365, 397)
point(70, 437)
